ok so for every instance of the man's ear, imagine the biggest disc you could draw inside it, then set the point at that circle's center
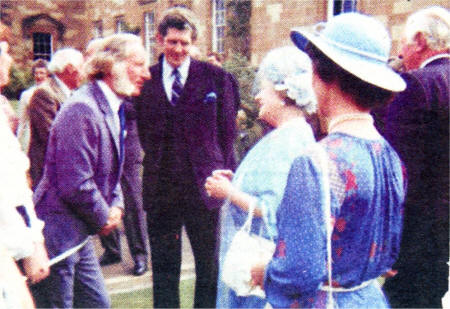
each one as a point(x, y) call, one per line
point(420, 42)
point(159, 39)
point(69, 69)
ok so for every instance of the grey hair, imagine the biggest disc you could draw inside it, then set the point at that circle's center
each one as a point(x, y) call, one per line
point(290, 70)
point(63, 57)
point(434, 23)
point(114, 48)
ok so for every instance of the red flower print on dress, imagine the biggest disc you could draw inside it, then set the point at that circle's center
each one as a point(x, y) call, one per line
point(295, 304)
point(373, 250)
point(335, 143)
point(350, 181)
point(281, 249)
point(340, 224)
point(339, 251)
point(376, 147)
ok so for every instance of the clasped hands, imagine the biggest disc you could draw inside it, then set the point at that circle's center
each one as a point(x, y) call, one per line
point(114, 219)
point(218, 185)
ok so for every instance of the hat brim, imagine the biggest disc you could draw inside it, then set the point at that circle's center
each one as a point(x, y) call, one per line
point(373, 72)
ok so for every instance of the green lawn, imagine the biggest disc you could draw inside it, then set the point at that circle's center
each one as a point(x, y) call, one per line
point(144, 298)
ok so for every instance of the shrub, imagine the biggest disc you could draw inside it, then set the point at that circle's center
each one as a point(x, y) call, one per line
point(19, 80)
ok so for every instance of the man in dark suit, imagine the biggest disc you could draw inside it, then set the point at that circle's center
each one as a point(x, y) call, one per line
point(80, 194)
point(66, 76)
point(186, 123)
point(417, 126)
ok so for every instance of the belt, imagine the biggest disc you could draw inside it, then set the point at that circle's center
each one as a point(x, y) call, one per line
point(325, 287)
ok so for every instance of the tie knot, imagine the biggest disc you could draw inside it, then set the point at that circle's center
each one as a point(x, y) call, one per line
point(176, 73)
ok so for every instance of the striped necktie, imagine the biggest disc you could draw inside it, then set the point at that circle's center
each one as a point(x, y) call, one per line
point(177, 87)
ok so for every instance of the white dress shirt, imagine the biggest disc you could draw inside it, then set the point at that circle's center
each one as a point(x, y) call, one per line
point(169, 78)
point(114, 102)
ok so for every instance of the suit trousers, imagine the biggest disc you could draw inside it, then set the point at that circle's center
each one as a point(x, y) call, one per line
point(165, 222)
point(76, 282)
point(134, 219)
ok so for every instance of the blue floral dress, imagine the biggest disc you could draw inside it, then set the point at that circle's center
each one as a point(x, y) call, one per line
point(367, 192)
point(262, 174)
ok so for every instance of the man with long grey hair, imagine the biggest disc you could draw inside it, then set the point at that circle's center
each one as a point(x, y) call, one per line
point(80, 194)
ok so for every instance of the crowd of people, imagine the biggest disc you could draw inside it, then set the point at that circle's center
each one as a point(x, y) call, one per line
point(104, 137)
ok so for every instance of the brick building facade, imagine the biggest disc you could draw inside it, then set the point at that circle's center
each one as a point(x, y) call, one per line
point(42, 26)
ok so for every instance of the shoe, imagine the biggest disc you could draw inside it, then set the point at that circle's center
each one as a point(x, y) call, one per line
point(140, 268)
point(108, 259)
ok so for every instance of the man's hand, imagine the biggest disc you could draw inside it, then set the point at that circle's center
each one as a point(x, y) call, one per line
point(114, 218)
point(36, 266)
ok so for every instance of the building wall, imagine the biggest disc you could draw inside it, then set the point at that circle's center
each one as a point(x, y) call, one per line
point(272, 20)
point(72, 22)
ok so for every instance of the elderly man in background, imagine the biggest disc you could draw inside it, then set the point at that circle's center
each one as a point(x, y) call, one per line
point(417, 126)
point(66, 76)
point(79, 194)
point(40, 74)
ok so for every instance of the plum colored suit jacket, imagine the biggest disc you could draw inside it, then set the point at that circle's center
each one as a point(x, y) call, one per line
point(207, 127)
point(82, 171)
point(417, 126)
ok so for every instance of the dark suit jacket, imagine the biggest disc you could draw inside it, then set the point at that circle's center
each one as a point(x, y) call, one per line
point(44, 104)
point(208, 127)
point(82, 171)
point(417, 126)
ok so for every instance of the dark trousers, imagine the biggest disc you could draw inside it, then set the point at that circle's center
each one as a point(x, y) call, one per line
point(165, 222)
point(76, 282)
point(422, 277)
point(134, 220)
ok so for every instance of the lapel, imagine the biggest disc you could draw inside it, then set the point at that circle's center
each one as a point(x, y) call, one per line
point(191, 85)
point(104, 107)
point(159, 84)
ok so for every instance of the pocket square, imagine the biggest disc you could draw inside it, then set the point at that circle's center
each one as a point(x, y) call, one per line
point(210, 98)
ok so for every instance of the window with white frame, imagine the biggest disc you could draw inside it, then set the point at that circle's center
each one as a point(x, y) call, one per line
point(98, 29)
point(119, 24)
point(343, 6)
point(42, 45)
point(219, 23)
point(149, 34)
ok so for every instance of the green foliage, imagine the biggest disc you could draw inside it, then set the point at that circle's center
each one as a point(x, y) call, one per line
point(19, 80)
point(125, 27)
point(240, 67)
point(238, 25)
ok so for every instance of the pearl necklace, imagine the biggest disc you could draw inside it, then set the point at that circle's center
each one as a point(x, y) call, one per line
point(333, 123)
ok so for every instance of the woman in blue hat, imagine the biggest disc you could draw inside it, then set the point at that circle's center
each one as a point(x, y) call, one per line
point(337, 234)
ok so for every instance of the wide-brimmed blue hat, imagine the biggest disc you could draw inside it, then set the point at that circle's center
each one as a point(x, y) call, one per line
point(358, 43)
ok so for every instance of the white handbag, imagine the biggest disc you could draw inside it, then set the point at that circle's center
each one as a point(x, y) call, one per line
point(246, 250)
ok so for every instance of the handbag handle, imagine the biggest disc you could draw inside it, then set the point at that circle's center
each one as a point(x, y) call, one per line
point(248, 223)
point(323, 160)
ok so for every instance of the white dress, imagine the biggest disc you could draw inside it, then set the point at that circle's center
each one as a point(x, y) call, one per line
point(15, 236)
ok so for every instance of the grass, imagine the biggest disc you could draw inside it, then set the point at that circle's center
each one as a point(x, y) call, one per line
point(144, 298)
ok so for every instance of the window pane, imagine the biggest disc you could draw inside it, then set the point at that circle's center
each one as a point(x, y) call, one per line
point(42, 45)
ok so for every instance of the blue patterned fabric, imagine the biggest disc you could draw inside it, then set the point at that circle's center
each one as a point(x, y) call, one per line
point(367, 193)
point(262, 174)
